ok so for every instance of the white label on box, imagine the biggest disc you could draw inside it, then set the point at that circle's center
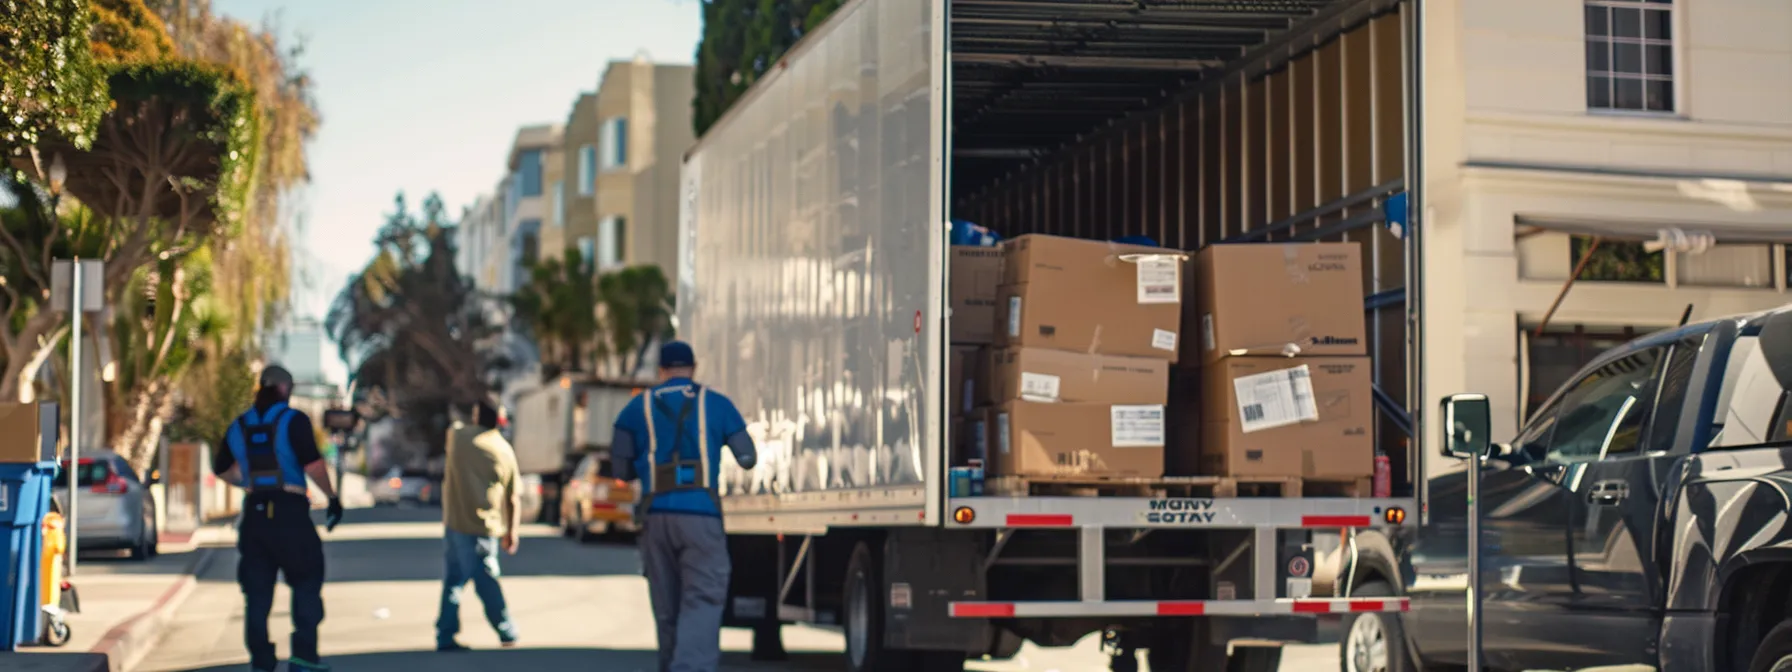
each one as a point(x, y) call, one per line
point(1160, 280)
point(1275, 399)
point(1002, 432)
point(1038, 386)
point(1207, 332)
point(1163, 340)
point(1138, 426)
point(1014, 317)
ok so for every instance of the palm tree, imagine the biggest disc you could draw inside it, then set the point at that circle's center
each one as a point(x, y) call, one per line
point(560, 306)
point(637, 304)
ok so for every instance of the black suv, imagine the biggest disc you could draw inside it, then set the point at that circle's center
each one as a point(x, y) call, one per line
point(1641, 520)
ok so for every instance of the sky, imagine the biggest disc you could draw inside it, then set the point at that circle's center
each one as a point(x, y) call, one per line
point(426, 95)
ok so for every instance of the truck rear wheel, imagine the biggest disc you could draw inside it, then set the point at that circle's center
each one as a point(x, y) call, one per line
point(864, 621)
point(1775, 652)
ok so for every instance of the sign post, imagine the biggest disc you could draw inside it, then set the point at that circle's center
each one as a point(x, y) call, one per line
point(76, 287)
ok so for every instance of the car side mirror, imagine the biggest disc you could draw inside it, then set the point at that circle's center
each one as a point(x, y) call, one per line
point(1467, 425)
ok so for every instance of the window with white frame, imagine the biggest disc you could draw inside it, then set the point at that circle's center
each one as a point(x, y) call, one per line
point(613, 141)
point(612, 235)
point(1630, 55)
point(558, 213)
point(587, 170)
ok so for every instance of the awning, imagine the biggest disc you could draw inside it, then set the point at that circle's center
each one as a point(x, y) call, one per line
point(1680, 236)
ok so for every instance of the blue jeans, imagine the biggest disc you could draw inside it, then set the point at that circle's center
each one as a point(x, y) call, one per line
point(475, 558)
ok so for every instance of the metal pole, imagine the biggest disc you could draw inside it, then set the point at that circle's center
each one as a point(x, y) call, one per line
point(1474, 563)
point(76, 308)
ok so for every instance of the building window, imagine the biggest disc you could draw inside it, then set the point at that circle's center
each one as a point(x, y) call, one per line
point(1630, 55)
point(587, 170)
point(529, 173)
point(614, 142)
point(587, 249)
point(612, 241)
point(558, 213)
point(1615, 261)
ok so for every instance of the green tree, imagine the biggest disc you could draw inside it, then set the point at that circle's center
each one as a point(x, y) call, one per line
point(157, 333)
point(409, 326)
point(742, 40)
point(48, 79)
point(637, 312)
point(560, 306)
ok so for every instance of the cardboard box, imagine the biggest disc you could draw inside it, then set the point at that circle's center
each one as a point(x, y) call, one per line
point(975, 276)
point(21, 442)
point(1311, 417)
point(1063, 439)
point(1092, 297)
point(1036, 374)
point(1257, 298)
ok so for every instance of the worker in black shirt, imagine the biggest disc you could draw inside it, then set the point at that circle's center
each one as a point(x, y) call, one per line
point(268, 452)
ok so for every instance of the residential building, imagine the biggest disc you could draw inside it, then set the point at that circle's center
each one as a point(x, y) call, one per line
point(580, 168)
point(527, 199)
point(635, 135)
point(480, 243)
point(1549, 123)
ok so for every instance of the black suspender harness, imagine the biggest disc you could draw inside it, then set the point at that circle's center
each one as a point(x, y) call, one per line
point(680, 472)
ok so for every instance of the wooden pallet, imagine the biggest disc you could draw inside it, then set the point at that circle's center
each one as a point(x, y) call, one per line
point(1215, 487)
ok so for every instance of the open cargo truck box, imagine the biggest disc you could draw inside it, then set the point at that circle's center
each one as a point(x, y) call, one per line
point(813, 287)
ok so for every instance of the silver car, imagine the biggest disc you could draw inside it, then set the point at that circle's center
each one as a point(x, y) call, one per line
point(114, 510)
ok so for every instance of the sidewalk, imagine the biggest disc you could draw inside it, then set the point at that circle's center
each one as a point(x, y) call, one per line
point(125, 605)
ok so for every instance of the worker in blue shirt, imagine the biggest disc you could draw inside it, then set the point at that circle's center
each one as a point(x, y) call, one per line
point(671, 437)
point(269, 452)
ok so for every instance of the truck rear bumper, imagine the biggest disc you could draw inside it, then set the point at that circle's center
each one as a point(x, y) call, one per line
point(1175, 608)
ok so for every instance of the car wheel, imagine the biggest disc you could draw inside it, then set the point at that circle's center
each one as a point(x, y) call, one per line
point(1374, 641)
point(1775, 652)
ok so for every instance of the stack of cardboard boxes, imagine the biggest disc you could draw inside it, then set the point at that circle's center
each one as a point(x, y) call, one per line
point(1078, 370)
point(1285, 380)
point(1063, 349)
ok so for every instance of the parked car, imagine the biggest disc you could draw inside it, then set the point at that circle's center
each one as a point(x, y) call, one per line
point(1637, 521)
point(595, 503)
point(114, 510)
point(396, 487)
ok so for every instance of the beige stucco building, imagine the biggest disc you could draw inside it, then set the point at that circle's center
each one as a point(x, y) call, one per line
point(624, 145)
point(1618, 118)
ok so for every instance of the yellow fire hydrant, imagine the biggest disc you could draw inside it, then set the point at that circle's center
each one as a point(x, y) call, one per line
point(56, 630)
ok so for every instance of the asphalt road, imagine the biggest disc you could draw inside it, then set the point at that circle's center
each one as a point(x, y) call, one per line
point(576, 606)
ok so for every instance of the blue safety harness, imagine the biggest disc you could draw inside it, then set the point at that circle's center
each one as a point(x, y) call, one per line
point(679, 471)
point(261, 443)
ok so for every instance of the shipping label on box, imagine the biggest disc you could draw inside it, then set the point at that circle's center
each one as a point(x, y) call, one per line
point(1275, 399)
point(1139, 426)
point(1160, 278)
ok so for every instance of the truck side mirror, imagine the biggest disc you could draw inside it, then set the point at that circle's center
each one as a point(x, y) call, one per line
point(1467, 425)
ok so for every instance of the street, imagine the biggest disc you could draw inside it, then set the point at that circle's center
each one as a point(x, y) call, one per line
point(577, 607)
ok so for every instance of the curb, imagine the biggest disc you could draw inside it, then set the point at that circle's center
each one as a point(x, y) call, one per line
point(125, 645)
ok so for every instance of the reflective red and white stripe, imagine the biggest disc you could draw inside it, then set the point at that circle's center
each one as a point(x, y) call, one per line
point(1069, 520)
point(1148, 608)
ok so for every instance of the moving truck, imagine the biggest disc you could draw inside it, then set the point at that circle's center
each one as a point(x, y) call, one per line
point(814, 285)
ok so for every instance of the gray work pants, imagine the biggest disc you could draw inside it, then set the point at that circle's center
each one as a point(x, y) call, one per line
point(686, 559)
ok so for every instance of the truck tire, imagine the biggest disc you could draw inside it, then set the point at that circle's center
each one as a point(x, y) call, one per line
point(863, 618)
point(1373, 642)
point(1775, 652)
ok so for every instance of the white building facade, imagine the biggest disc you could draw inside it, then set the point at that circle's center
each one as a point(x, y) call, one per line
point(1550, 123)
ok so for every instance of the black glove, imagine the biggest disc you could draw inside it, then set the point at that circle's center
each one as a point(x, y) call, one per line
point(333, 516)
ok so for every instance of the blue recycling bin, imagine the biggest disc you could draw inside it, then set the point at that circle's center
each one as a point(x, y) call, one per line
point(24, 499)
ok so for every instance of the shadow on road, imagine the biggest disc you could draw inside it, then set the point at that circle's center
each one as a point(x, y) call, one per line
point(609, 660)
point(118, 562)
point(357, 551)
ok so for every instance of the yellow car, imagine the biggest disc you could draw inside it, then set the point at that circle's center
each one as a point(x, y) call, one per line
point(593, 504)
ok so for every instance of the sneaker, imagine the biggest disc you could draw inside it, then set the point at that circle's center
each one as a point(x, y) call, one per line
point(508, 643)
point(452, 646)
point(297, 663)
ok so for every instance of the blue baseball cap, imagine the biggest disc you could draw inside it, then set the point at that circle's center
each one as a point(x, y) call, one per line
point(677, 355)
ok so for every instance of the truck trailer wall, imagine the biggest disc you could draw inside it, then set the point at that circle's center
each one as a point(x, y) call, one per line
point(810, 277)
point(543, 429)
point(1303, 145)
